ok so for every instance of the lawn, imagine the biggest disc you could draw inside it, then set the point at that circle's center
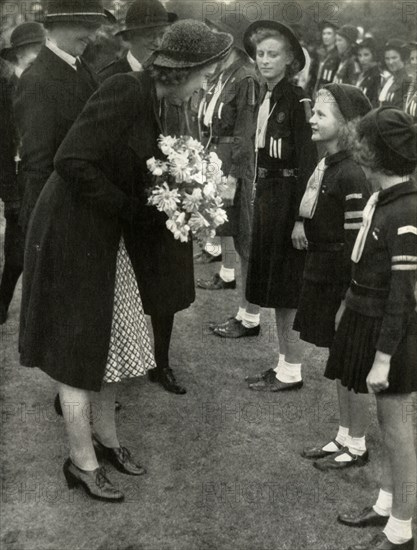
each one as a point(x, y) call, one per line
point(224, 470)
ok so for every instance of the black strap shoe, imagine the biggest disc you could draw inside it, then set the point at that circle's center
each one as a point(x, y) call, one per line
point(216, 283)
point(330, 463)
point(275, 386)
point(120, 457)
point(95, 483)
point(168, 381)
point(267, 375)
point(235, 329)
point(366, 518)
point(380, 542)
point(318, 452)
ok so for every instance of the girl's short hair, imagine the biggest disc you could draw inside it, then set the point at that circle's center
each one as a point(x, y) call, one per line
point(262, 34)
point(347, 135)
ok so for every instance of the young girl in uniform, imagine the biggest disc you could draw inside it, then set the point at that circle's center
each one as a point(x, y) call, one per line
point(286, 157)
point(332, 210)
point(375, 347)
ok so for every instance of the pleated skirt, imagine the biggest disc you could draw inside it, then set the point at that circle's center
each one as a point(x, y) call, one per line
point(353, 352)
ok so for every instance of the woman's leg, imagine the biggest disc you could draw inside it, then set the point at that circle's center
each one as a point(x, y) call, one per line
point(396, 421)
point(76, 412)
point(103, 415)
point(289, 341)
point(162, 326)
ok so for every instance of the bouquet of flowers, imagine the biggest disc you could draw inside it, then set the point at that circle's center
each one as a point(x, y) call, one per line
point(187, 188)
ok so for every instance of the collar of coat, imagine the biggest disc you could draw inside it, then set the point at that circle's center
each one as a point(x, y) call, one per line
point(337, 157)
point(393, 193)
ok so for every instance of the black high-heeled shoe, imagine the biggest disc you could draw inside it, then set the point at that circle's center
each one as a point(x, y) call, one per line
point(58, 408)
point(120, 457)
point(95, 483)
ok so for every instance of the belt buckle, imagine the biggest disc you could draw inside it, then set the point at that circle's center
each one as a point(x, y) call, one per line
point(288, 172)
point(262, 172)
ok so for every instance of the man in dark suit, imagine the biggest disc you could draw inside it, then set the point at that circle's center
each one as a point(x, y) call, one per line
point(53, 91)
point(146, 22)
point(25, 43)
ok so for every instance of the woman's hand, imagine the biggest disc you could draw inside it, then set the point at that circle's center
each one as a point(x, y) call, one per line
point(228, 195)
point(377, 379)
point(299, 240)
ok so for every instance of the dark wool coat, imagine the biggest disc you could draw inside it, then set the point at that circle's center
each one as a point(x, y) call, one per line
point(96, 196)
point(370, 83)
point(49, 97)
point(117, 66)
point(398, 90)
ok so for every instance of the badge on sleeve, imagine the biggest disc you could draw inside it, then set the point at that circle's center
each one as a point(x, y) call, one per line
point(280, 117)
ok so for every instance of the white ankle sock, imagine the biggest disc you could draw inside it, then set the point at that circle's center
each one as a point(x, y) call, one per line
point(228, 275)
point(281, 358)
point(341, 437)
point(383, 504)
point(357, 445)
point(289, 372)
point(251, 320)
point(398, 531)
point(240, 314)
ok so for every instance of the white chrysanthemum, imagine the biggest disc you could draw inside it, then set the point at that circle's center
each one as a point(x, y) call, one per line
point(156, 167)
point(218, 216)
point(198, 222)
point(192, 202)
point(195, 145)
point(165, 199)
point(166, 144)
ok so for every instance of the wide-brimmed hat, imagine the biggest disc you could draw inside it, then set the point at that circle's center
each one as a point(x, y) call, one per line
point(352, 102)
point(399, 46)
point(24, 35)
point(280, 27)
point(77, 11)
point(350, 32)
point(190, 43)
point(231, 23)
point(394, 133)
point(147, 14)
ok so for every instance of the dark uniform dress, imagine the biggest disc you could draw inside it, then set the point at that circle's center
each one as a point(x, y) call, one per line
point(395, 90)
point(380, 304)
point(96, 199)
point(348, 70)
point(331, 234)
point(369, 82)
point(231, 136)
point(284, 167)
point(327, 70)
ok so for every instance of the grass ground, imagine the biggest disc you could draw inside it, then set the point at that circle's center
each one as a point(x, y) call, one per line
point(224, 471)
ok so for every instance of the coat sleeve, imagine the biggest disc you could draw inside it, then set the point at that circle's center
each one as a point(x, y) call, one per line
point(8, 145)
point(401, 242)
point(104, 122)
point(306, 151)
point(354, 192)
point(244, 129)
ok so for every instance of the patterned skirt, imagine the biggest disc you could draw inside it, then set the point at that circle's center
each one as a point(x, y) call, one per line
point(130, 351)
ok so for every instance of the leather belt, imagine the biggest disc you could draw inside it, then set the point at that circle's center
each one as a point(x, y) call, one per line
point(264, 173)
point(222, 139)
point(325, 247)
point(363, 290)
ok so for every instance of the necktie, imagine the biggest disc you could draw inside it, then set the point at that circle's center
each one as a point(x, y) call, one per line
point(364, 230)
point(208, 117)
point(311, 196)
point(262, 123)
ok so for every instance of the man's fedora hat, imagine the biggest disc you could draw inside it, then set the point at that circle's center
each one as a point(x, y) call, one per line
point(147, 14)
point(280, 27)
point(24, 35)
point(77, 11)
